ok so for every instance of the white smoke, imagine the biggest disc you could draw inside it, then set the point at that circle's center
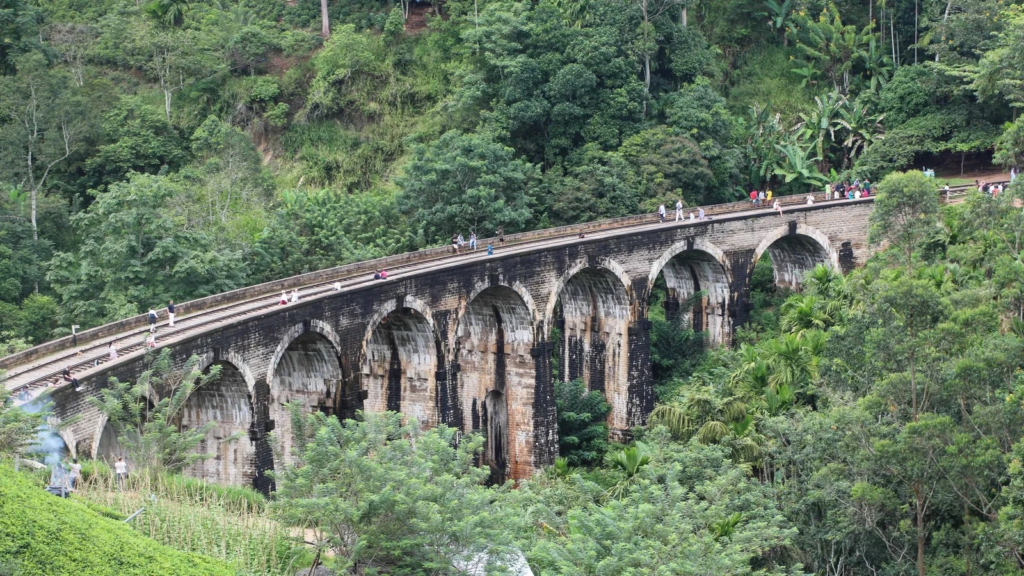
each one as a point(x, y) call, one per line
point(49, 447)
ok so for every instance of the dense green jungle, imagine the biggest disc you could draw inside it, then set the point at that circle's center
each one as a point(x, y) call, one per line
point(869, 424)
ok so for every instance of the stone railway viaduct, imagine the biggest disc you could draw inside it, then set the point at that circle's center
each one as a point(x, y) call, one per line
point(467, 341)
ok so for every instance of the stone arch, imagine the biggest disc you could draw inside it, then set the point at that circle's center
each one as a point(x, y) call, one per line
point(517, 287)
point(106, 446)
point(104, 437)
point(226, 403)
point(497, 375)
point(795, 250)
point(607, 264)
point(400, 362)
point(697, 265)
point(595, 319)
point(68, 436)
point(234, 359)
point(305, 369)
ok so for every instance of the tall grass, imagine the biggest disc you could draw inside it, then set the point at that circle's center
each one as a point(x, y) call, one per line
point(222, 522)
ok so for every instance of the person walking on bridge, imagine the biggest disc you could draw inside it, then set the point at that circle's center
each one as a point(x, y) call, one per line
point(170, 313)
point(679, 210)
point(152, 320)
point(700, 213)
point(661, 213)
point(472, 241)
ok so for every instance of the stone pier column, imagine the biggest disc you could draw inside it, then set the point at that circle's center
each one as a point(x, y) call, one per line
point(641, 383)
point(258, 430)
point(545, 416)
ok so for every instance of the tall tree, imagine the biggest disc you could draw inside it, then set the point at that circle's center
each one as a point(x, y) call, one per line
point(906, 213)
point(41, 118)
point(325, 20)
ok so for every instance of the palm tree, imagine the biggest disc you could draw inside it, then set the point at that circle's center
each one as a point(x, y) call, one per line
point(712, 421)
point(796, 164)
point(171, 12)
point(629, 461)
point(804, 312)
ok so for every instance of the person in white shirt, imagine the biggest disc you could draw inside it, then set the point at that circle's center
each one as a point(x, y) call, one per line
point(337, 286)
point(700, 213)
point(692, 217)
point(679, 210)
point(661, 213)
point(121, 471)
point(295, 296)
point(810, 198)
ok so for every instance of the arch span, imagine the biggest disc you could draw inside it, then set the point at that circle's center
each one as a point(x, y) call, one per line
point(400, 363)
point(795, 250)
point(497, 377)
point(595, 317)
point(693, 266)
point(224, 405)
point(307, 372)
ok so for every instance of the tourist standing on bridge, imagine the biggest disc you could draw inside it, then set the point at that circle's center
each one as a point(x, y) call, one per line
point(284, 298)
point(700, 213)
point(679, 210)
point(170, 313)
point(1013, 175)
point(768, 196)
point(661, 213)
point(112, 350)
point(152, 320)
point(753, 197)
point(500, 233)
point(295, 295)
point(472, 241)
point(760, 198)
point(692, 218)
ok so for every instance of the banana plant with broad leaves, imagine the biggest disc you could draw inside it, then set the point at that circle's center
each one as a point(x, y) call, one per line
point(860, 129)
point(765, 132)
point(778, 16)
point(798, 164)
point(820, 126)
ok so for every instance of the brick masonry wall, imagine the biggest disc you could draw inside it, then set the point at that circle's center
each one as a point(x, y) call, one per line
point(323, 352)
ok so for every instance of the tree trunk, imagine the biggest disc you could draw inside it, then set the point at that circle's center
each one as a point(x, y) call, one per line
point(915, 29)
point(682, 16)
point(920, 531)
point(325, 20)
point(945, 17)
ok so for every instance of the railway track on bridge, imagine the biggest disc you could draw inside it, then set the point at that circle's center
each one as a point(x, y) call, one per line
point(44, 372)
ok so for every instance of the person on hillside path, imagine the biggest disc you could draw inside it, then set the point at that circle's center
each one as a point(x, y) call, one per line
point(679, 210)
point(74, 473)
point(121, 472)
point(661, 213)
point(170, 313)
point(152, 320)
point(284, 298)
point(472, 241)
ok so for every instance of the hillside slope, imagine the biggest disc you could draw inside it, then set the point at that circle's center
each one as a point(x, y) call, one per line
point(42, 535)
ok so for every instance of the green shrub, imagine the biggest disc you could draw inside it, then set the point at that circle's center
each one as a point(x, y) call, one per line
point(42, 535)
